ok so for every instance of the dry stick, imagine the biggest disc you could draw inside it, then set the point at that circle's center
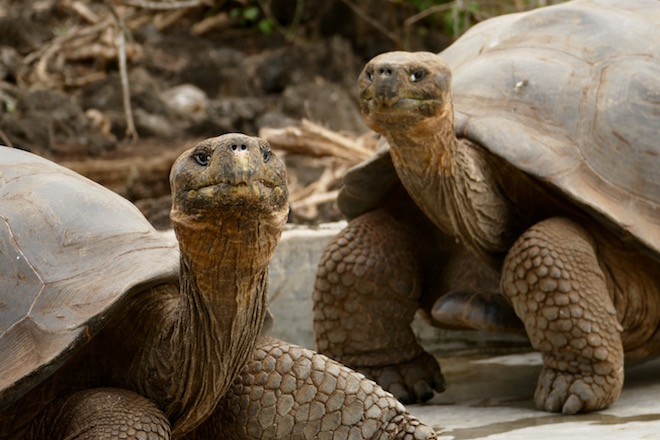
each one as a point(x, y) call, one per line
point(163, 20)
point(81, 81)
point(73, 33)
point(314, 140)
point(327, 178)
point(5, 139)
point(131, 132)
point(364, 16)
point(308, 206)
point(305, 203)
point(426, 12)
point(41, 69)
point(290, 32)
point(407, 24)
point(454, 16)
point(45, 53)
point(213, 22)
point(163, 6)
point(81, 9)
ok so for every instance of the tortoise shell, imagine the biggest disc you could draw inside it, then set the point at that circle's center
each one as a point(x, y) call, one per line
point(569, 94)
point(71, 253)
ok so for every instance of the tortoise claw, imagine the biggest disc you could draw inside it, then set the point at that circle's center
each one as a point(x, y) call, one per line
point(410, 382)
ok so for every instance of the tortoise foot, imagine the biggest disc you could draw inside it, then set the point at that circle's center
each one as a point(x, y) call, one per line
point(560, 391)
point(410, 382)
point(554, 280)
point(407, 427)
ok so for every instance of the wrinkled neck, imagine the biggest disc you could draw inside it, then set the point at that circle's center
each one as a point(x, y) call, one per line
point(223, 282)
point(425, 160)
point(452, 181)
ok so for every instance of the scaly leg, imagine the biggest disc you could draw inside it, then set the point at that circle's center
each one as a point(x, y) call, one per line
point(554, 281)
point(367, 290)
point(287, 391)
point(101, 414)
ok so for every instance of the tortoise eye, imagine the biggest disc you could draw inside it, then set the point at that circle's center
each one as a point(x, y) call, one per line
point(203, 158)
point(265, 153)
point(369, 73)
point(417, 75)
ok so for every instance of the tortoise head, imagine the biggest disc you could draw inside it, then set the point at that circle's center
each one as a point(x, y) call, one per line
point(232, 173)
point(405, 90)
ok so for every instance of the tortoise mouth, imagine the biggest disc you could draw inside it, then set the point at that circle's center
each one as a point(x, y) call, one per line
point(401, 108)
point(260, 195)
point(239, 189)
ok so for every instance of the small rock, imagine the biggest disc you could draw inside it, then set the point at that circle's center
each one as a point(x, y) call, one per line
point(187, 100)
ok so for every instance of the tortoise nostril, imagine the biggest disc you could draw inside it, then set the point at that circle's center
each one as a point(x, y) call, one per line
point(384, 71)
point(239, 147)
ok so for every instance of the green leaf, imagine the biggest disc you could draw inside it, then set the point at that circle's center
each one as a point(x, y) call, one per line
point(10, 105)
point(251, 13)
point(265, 26)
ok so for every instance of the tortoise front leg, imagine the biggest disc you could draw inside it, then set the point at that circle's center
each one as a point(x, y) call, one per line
point(553, 278)
point(368, 288)
point(287, 391)
point(101, 414)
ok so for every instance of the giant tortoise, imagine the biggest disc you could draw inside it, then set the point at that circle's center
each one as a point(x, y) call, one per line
point(109, 331)
point(522, 169)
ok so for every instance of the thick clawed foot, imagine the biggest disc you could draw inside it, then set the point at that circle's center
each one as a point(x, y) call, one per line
point(554, 279)
point(407, 427)
point(559, 391)
point(410, 382)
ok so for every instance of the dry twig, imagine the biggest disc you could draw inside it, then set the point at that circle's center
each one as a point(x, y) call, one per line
point(210, 23)
point(167, 18)
point(164, 6)
point(83, 10)
point(5, 139)
point(426, 12)
point(131, 132)
point(314, 140)
point(338, 151)
point(375, 23)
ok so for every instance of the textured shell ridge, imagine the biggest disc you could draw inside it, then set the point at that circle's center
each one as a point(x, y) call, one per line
point(567, 109)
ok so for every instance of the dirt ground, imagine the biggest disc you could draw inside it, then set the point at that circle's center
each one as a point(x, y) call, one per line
point(199, 68)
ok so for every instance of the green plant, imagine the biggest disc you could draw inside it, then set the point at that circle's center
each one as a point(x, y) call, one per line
point(252, 15)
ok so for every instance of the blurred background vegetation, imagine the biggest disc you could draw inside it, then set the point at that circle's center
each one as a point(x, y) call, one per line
point(405, 24)
point(78, 45)
point(111, 80)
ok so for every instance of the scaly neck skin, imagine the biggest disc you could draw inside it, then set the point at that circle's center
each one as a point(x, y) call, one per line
point(224, 271)
point(453, 183)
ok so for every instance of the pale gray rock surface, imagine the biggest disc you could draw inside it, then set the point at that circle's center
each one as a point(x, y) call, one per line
point(291, 280)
